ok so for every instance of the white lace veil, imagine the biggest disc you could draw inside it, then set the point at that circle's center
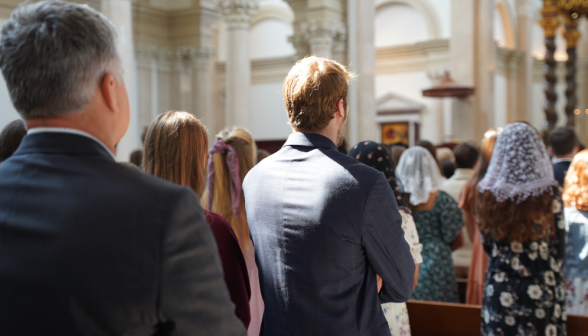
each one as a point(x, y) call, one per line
point(419, 173)
point(520, 167)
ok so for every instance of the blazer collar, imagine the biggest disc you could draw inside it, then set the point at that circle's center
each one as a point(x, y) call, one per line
point(62, 143)
point(310, 140)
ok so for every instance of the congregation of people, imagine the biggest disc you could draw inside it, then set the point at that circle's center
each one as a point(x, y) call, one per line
point(199, 238)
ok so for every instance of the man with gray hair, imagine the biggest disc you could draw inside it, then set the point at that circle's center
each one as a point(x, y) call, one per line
point(89, 246)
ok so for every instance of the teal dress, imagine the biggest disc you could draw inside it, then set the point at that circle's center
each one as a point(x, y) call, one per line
point(437, 229)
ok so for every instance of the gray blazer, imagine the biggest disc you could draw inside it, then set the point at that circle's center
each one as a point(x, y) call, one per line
point(323, 224)
point(91, 247)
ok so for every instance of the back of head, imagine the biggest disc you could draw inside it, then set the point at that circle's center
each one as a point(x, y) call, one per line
point(376, 156)
point(222, 202)
point(563, 141)
point(53, 55)
point(396, 153)
point(137, 157)
point(419, 173)
point(444, 154)
point(428, 146)
point(576, 183)
point(515, 197)
point(448, 168)
point(176, 148)
point(466, 155)
point(311, 91)
point(11, 137)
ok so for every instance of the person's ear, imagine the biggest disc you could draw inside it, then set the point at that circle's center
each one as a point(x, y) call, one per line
point(576, 148)
point(551, 151)
point(109, 87)
point(341, 108)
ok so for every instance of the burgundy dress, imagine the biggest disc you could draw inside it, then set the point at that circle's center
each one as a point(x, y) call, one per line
point(234, 267)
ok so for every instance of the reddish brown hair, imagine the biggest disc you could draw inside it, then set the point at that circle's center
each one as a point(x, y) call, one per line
point(576, 183)
point(311, 91)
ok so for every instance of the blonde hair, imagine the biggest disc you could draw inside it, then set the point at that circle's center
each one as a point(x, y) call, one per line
point(176, 149)
point(311, 91)
point(242, 141)
point(576, 183)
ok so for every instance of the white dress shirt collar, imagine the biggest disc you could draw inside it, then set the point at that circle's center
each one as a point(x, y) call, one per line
point(70, 131)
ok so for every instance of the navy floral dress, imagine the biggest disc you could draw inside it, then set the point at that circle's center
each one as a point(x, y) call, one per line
point(437, 229)
point(524, 292)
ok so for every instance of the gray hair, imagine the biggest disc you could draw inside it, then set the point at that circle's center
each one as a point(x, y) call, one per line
point(53, 56)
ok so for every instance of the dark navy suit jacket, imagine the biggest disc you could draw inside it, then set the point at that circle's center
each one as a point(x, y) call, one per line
point(560, 169)
point(91, 247)
point(323, 224)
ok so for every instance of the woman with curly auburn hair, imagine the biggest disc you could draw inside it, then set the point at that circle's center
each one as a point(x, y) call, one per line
point(575, 198)
point(519, 211)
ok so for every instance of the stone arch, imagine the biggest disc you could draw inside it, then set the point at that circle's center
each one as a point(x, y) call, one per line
point(273, 12)
point(424, 8)
point(508, 23)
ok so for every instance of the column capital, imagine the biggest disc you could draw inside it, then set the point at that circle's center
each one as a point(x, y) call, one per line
point(237, 13)
point(317, 33)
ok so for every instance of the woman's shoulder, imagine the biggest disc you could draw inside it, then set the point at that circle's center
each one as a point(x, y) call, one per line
point(220, 226)
point(445, 199)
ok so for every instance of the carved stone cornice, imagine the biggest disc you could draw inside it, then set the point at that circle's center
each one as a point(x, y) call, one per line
point(184, 57)
point(237, 13)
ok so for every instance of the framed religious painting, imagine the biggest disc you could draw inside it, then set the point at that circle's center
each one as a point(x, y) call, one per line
point(395, 132)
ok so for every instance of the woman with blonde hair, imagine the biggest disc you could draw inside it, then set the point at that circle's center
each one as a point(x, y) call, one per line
point(479, 263)
point(231, 157)
point(176, 149)
point(519, 210)
point(575, 199)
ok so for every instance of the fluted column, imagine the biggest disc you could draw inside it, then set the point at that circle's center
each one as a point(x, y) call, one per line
point(203, 91)
point(120, 13)
point(237, 16)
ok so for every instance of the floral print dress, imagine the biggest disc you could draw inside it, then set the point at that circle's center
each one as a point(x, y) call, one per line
point(396, 313)
point(524, 292)
point(437, 229)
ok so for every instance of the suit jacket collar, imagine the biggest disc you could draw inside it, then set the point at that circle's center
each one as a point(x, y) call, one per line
point(61, 143)
point(310, 140)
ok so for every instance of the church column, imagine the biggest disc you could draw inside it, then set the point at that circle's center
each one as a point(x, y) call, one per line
point(119, 12)
point(203, 93)
point(237, 15)
point(526, 10)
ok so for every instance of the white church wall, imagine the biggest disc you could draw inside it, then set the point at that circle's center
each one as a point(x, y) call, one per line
point(410, 85)
point(268, 113)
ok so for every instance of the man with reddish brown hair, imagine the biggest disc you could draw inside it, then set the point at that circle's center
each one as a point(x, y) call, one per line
point(323, 224)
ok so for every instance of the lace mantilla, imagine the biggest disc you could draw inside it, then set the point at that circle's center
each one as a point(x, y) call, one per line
point(419, 173)
point(520, 167)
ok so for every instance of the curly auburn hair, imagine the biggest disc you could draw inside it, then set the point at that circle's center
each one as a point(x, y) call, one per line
point(312, 90)
point(576, 183)
point(530, 220)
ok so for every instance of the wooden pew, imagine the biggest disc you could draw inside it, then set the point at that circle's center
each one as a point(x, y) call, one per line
point(449, 319)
